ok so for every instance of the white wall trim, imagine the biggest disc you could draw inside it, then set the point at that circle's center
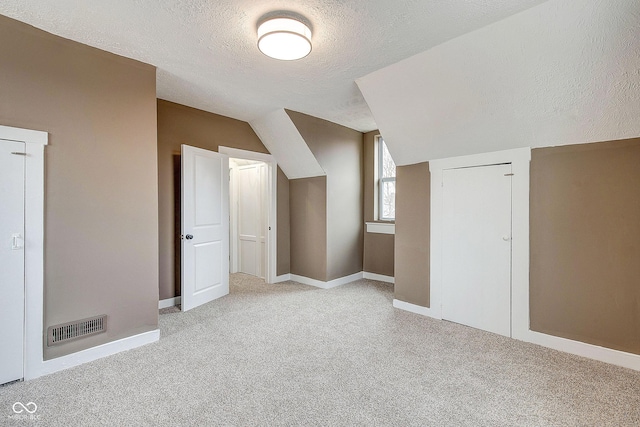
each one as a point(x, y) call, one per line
point(169, 302)
point(246, 154)
point(94, 353)
point(24, 135)
point(519, 159)
point(272, 236)
point(327, 285)
point(417, 309)
point(381, 227)
point(283, 278)
point(378, 277)
point(590, 351)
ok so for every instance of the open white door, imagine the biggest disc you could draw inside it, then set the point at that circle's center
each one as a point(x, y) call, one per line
point(12, 164)
point(205, 226)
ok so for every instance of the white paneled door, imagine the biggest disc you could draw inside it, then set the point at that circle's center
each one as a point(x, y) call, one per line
point(476, 257)
point(252, 219)
point(205, 226)
point(12, 166)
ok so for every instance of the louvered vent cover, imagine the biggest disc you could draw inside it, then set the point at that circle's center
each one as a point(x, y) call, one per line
point(70, 331)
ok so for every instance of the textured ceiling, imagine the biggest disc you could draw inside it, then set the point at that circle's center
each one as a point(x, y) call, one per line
point(564, 72)
point(206, 54)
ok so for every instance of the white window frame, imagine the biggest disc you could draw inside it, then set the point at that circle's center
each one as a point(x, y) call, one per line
point(381, 180)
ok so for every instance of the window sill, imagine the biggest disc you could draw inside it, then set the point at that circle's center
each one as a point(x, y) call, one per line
point(381, 227)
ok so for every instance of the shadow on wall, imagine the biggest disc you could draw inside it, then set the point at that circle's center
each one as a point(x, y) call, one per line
point(177, 242)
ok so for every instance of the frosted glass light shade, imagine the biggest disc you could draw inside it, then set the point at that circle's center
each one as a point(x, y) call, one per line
point(284, 38)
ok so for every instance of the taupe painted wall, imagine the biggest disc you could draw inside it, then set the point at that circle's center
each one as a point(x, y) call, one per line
point(177, 125)
point(339, 151)
point(413, 238)
point(378, 254)
point(284, 226)
point(308, 207)
point(101, 219)
point(585, 243)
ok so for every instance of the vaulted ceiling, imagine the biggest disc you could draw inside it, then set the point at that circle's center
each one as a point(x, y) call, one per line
point(206, 55)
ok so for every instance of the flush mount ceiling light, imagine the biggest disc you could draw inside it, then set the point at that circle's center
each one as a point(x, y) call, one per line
point(284, 38)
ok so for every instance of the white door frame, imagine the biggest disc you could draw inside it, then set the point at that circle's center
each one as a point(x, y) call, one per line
point(271, 235)
point(519, 159)
point(34, 244)
point(233, 214)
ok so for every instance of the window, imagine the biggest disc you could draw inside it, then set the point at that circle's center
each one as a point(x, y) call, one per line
point(386, 183)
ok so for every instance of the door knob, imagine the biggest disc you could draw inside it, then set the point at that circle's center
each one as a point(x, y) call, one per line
point(506, 238)
point(189, 236)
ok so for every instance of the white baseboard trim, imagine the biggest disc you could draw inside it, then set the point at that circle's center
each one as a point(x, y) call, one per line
point(379, 277)
point(326, 285)
point(590, 351)
point(417, 309)
point(169, 302)
point(282, 278)
point(94, 353)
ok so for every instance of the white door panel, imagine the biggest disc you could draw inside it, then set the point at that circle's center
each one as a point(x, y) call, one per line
point(252, 219)
point(248, 208)
point(12, 168)
point(205, 226)
point(476, 262)
point(263, 219)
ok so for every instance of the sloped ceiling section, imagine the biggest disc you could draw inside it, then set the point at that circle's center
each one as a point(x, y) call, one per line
point(206, 54)
point(563, 72)
point(281, 137)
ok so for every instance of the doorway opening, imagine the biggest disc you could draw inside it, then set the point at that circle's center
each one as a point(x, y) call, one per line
point(245, 190)
point(253, 226)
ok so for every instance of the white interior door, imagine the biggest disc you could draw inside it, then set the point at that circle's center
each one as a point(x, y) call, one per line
point(11, 260)
point(205, 226)
point(248, 219)
point(252, 219)
point(476, 256)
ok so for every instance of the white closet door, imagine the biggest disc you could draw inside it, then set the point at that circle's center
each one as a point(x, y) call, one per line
point(12, 164)
point(476, 258)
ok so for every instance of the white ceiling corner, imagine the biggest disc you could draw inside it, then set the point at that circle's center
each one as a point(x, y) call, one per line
point(281, 137)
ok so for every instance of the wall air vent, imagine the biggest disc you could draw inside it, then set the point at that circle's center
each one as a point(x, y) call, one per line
point(66, 332)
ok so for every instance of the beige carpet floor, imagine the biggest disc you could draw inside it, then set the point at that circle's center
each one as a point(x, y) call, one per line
point(293, 355)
